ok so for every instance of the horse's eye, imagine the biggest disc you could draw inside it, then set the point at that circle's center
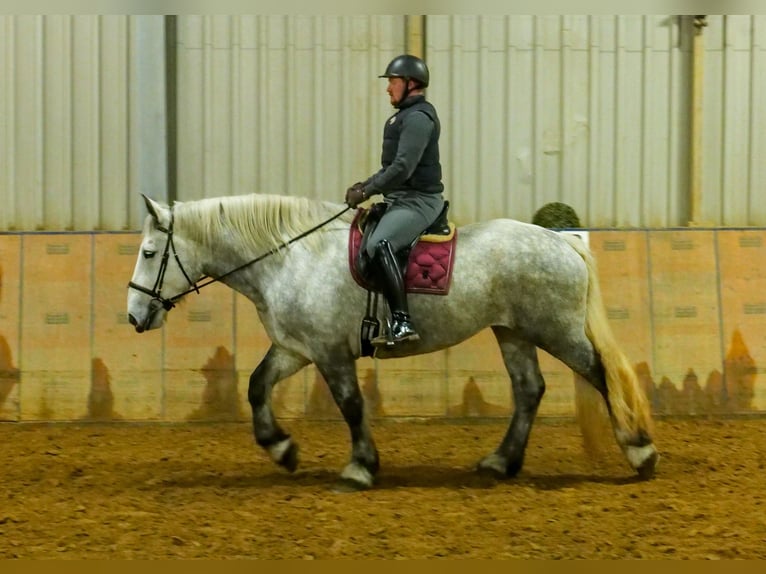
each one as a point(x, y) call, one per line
point(149, 254)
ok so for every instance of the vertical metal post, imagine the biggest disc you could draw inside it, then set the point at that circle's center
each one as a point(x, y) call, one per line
point(171, 109)
point(415, 35)
point(695, 147)
point(148, 118)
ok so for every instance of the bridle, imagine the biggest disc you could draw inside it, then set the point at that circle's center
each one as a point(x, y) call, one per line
point(156, 291)
point(169, 302)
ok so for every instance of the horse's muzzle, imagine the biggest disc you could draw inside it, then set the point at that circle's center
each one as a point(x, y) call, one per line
point(154, 306)
point(134, 322)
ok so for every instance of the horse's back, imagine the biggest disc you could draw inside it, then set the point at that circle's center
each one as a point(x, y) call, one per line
point(518, 264)
point(521, 245)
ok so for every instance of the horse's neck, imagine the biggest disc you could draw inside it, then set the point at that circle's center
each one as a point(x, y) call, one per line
point(225, 256)
point(259, 260)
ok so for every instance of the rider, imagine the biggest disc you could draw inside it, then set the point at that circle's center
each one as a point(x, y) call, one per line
point(410, 180)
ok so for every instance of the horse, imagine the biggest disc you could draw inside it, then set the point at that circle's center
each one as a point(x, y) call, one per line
point(532, 286)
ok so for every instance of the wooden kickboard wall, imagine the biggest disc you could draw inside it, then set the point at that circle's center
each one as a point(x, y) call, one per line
point(687, 305)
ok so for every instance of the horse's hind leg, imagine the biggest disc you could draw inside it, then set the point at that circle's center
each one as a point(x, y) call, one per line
point(636, 443)
point(528, 386)
point(631, 430)
point(278, 364)
point(340, 375)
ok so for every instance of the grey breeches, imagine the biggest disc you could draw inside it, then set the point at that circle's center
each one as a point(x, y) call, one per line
point(403, 222)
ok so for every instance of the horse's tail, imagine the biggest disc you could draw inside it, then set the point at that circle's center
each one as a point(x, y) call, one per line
point(629, 406)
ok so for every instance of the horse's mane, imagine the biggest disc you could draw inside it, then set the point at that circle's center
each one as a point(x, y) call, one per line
point(261, 221)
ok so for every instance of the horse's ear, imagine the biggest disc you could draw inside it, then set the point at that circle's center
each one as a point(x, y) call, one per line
point(150, 206)
point(158, 212)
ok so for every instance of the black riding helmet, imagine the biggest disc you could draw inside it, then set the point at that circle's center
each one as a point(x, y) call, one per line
point(407, 67)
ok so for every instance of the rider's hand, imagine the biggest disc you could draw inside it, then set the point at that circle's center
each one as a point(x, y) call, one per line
point(355, 194)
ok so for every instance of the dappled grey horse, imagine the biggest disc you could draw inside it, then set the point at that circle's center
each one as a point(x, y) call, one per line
point(532, 286)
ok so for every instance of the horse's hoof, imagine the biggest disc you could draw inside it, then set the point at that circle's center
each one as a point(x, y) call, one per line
point(289, 459)
point(355, 477)
point(649, 466)
point(513, 468)
point(347, 485)
point(492, 466)
point(643, 459)
point(488, 472)
point(284, 453)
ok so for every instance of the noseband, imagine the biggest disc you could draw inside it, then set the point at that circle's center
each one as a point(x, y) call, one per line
point(156, 291)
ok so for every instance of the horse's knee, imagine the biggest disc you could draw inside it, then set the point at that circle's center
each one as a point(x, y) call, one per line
point(275, 366)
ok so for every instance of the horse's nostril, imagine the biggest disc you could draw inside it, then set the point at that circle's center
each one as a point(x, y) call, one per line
point(132, 320)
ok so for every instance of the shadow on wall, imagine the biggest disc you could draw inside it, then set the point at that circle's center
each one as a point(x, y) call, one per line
point(9, 375)
point(474, 405)
point(220, 399)
point(731, 392)
point(100, 397)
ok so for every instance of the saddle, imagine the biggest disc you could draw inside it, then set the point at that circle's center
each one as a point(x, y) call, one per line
point(427, 262)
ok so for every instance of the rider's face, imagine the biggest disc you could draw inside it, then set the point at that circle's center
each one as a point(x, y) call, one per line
point(395, 90)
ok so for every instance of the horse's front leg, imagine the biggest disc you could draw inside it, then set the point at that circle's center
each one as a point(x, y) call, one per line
point(340, 375)
point(278, 364)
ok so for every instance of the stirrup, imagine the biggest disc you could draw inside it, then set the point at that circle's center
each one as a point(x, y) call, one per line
point(387, 338)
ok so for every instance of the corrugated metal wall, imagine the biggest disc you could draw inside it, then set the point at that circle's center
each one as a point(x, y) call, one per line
point(281, 104)
point(734, 153)
point(594, 111)
point(77, 96)
point(589, 110)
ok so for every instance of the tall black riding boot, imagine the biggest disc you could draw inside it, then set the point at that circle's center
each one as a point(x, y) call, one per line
point(391, 282)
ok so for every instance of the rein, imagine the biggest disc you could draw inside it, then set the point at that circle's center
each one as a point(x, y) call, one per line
point(169, 303)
